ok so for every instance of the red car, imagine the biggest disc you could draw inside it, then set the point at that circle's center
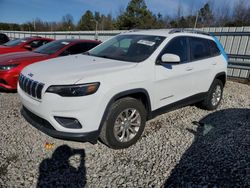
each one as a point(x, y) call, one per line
point(24, 44)
point(12, 64)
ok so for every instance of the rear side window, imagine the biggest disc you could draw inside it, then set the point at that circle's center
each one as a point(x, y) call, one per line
point(213, 48)
point(199, 48)
point(89, 46)
point(79, 48)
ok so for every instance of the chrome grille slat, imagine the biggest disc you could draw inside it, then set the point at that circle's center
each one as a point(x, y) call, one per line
point(34, 88)
point(31, 87)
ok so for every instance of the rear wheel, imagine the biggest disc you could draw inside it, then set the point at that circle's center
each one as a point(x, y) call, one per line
point(124, 124)
point(214, 96)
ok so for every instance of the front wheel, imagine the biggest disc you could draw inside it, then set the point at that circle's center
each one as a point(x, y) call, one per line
point(214, 96)
point(124, 124)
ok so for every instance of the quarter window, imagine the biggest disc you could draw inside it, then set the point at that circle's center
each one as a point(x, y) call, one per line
point(214, 48)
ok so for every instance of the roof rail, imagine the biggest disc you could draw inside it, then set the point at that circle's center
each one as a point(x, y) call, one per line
point(133, 30)
point(188, 31)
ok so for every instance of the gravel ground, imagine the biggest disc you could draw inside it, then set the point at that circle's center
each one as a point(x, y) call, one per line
point(173, 151)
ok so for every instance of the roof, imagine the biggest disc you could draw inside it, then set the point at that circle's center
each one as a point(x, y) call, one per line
point(37, 37)
point(168, 32)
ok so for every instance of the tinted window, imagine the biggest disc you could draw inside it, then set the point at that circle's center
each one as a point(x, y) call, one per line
point(80, 48)
point(199, 48)
point(91, 45)
point(178, 46)
point(213, 48)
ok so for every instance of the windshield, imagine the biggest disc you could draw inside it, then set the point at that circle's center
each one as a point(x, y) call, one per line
point(15, 42)
point(132, 48)
point(52, 47)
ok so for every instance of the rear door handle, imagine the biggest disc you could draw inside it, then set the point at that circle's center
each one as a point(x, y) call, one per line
point(189, 68)
point(214, 63)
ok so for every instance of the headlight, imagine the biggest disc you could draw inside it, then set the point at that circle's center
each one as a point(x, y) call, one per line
point(7, 67)
point(74, 90)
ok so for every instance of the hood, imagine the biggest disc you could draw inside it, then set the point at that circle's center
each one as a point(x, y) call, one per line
point(18, 57)
point(6, 49)
point(70, 69)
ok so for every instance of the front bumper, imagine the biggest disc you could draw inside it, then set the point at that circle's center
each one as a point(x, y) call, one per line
point(8, 80)
point(44, 126)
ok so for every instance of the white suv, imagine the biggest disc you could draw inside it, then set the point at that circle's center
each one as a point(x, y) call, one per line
point(111, 91)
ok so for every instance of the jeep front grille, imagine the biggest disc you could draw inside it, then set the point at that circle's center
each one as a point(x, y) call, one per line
point(31, 87)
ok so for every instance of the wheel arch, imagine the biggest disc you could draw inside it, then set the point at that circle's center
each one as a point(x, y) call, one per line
point(222, 77)
point(139, 93)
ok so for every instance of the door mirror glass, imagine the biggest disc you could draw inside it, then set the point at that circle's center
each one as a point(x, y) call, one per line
point(170, 58)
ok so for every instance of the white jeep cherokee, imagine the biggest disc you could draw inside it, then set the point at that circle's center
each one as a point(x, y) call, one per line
point(111, 91)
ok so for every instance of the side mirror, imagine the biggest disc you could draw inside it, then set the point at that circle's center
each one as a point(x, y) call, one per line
point(170, 58)
point(28, 47)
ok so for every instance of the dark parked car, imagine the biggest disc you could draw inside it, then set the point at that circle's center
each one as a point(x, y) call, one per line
point(3, 38)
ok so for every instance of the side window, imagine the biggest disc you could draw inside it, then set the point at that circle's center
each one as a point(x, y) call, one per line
point(89, 46)
point(213, 48)
point(37, 43)
point(178, 46)
point(199, 48)
point(34, 44)
point(77, 49)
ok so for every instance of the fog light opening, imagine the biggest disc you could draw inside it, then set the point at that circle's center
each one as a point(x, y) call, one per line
point(70, 123)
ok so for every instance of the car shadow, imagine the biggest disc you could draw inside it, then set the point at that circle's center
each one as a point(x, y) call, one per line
point(219, 155)
point(7, 91)
point(58, 171)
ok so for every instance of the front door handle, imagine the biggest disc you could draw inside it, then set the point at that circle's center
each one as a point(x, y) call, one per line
point(214, 63)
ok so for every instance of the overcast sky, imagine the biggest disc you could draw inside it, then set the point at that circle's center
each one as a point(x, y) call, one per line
point(20, 11)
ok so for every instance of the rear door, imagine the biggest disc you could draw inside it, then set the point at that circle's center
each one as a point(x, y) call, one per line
point(201, 63)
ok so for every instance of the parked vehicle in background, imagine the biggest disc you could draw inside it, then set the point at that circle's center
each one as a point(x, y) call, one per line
point(24, 44)
point(3, 38)
point(111, 92)
point(11, 64)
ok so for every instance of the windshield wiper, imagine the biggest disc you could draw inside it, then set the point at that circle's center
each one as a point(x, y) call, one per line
point(105, 56)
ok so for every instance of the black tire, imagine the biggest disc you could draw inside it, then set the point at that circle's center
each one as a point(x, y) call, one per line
point(108, 136)
point(208, 103)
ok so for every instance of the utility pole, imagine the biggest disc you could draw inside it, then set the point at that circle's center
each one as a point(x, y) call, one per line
point(34, 23)
point(96, 28)
point(196, 20)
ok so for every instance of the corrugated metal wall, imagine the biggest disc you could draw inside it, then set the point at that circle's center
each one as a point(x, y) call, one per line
point(236, 40)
